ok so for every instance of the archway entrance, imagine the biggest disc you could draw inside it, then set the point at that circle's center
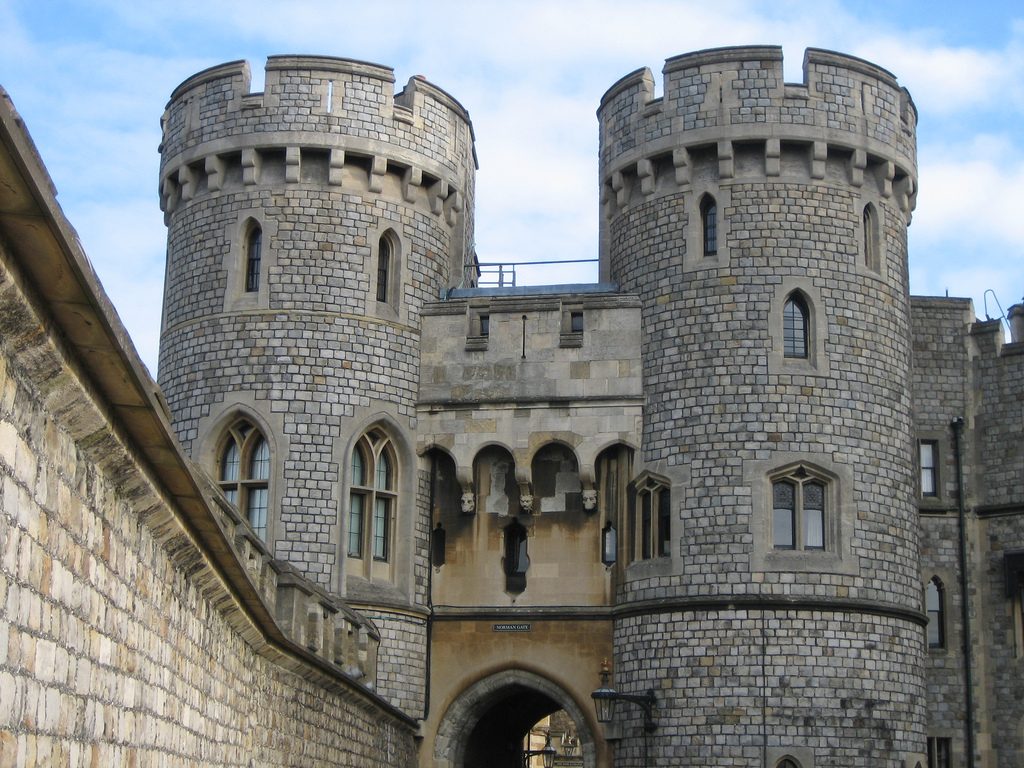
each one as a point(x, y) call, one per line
point(486, 726)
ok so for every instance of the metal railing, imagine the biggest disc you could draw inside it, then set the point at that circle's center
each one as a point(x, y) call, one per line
point(502, 274)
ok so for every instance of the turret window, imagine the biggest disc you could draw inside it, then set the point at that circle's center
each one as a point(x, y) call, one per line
point(372, 498)
point(798, 511)
point(650, 518)
point(795, 327)
point(384, 259)
point(709, 225)
point(253, 258)
point(244, 473)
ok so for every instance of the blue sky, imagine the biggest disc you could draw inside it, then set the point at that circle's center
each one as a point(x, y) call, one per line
point(91, 80)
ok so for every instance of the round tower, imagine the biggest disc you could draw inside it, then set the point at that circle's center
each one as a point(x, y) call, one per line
point(763, 224)
point(307, 225)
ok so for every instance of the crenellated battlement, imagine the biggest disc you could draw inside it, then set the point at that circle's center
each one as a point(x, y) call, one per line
point(726, 98)
point(337, 121)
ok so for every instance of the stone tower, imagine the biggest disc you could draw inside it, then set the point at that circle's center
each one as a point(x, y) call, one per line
point(763, 226)
point(307, 225)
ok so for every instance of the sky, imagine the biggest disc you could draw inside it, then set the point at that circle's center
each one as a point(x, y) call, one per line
point(91, 80)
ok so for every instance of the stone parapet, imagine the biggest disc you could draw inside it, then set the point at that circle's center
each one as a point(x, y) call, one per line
point(725, 98)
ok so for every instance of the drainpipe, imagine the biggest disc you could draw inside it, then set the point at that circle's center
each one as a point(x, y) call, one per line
point(958, 428)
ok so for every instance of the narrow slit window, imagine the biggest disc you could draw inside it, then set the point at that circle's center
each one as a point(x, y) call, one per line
point(384, 259)
point(928, 454)
point(934, 599)
point(709, 225)
point(253, 259)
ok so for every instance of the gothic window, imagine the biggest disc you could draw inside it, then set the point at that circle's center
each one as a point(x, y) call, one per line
point(799, 511)
point(650, 518)
point(516, 560)
point(244, 473)
point(870, 238)
point(935, 605)
point(928, 453)
point(387, 264)
point(787, 762)
point(253, 258)
point(795, 326)
point(709, 225)
point(372, 497)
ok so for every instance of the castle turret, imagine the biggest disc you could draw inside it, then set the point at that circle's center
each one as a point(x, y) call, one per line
point(763, 225)
point(307, 225)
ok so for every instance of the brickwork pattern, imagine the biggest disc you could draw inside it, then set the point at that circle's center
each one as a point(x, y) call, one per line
point(110, 654)
point(733, 682)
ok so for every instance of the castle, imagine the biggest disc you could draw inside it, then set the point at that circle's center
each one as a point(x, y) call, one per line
point(379, 513)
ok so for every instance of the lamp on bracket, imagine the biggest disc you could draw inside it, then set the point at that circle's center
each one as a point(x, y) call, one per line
point(606, 697)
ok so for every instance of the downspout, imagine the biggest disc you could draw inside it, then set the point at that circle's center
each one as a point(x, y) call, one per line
point(430, 587)
point(958, 427)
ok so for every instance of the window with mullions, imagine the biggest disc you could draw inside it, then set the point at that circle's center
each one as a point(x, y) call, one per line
point(372, 497)
point(651, 519)
point(709, 225)
point(795, 327)
point(244, 473)
point(935, 605)
point(253, 258)
point(798, 511)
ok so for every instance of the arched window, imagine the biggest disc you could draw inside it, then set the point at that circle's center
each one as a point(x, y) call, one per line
point(372, 497)
point(787, 762)
point(709, 225)
point(650, 519)
point(935, 605)
point(385, 263)
point(244, 473)
point(253, 258)
point(795, 326)
point(870, 237)
point(799, 511)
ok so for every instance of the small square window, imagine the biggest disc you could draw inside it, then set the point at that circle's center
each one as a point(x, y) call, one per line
point(485, 325)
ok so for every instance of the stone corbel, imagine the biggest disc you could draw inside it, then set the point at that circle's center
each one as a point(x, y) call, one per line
point(251, 162)
point(377, 171)
point(438, 193)
point(906, 196)
point(890, 174)
point(619, 188)
point(335, 167)
point(858, 162)
point(187, 182)
point(645, 172)
point(772, 157)
point(169, 195)
point(819, 154)
point(525, 498)
point(214, 173)
point(412, 179)
point(726, 164)
point(454, 206)
point(291, 165)
point(681, 162)
point(589, 499)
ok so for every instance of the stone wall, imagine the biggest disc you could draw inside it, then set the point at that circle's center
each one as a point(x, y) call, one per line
point(135, 628)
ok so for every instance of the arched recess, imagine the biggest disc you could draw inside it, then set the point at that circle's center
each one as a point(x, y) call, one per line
point(488, 699)
point(555, 478)
point(494, 480)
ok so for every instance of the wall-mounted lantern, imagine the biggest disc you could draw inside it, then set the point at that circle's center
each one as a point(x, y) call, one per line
point(606, 697)
point(609, 544)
